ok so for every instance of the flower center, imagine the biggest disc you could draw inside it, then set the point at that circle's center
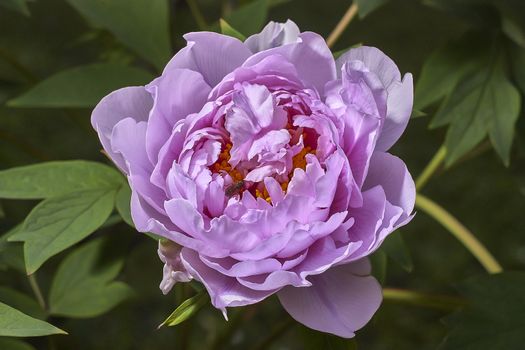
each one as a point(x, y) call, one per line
point(239, 185)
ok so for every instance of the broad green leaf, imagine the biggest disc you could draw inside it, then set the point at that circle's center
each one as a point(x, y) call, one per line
point(19, 6)
point(187, 309)
point(494, 318)
point(59, 222)
point(250, 18)
point(52, 179)
point(81, 86)
point(22, 302)
point(14, 344)
point(142, 25)
point(123, 204)
point(507, 109)
point(395, 248)
point(14, 323)
point(227, 29)
point(485, 103)
point(365, 7)
point(84, 284)
point(443, 70)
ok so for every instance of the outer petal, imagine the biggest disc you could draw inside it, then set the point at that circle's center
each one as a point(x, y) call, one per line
point(310, 56)
point(211, 54)
point(391, 173)
point(178, 93)
point(273, 35)
point(399, 109)
point(340, 301)
point(224, 291)
point(130, 102)
point(400, 93)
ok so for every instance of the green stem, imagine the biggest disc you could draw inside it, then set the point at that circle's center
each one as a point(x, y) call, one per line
point(431, 168)
point(36, 290)
point(343, 23)
point(443, 302)
point(460, 232)
point(197, 14)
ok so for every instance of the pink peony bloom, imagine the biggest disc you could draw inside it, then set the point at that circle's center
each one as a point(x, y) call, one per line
point(265, 166)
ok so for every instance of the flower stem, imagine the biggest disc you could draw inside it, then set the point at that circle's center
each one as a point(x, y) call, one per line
point(36, 290)
point(460, 232)
point(343, 23)
point(197, 14)
point(431, 168)
point(404, 296)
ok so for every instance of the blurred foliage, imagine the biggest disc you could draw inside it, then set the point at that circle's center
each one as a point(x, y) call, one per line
point(59, 57)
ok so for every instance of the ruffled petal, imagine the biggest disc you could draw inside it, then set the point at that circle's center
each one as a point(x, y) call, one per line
point(224, 291)
point(340, 301)
point(274, 34)
point(391, 173)
point(400, 93)
point(130, 102)
point(310, 56)
point(211, 54)
point(176, 95)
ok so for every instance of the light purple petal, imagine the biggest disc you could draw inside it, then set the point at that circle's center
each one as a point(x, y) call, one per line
point(340, 301)
point(211, 54)
point(391, 173)
point(273, 35)
point(176, 95)
point(312, 59)
point(224, 291)
point(400, 93)
point(399, 109)
point(130, 102)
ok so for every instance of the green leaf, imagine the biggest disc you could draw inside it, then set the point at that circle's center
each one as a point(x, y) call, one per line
point(443, 69)
point(19, 6)
point(14, 344)
point(22, 302)
point(365, 7)
point(395, 248)
point(84, 284)
point(14, 323)
point(187, 309)
point(123, 201)
point(494, 318)
point(485, 103)
point(142, 25)
point(227, 29)
point(59, 222)
point(250, 18)
point(53, 179)
point(81, 86)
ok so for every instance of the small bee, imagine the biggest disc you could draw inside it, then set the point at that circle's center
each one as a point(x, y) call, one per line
point(234, 189)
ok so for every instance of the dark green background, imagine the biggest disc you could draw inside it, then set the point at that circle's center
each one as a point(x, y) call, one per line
point(487, 197)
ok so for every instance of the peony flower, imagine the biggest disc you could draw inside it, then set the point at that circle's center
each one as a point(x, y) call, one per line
point(264, 165)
